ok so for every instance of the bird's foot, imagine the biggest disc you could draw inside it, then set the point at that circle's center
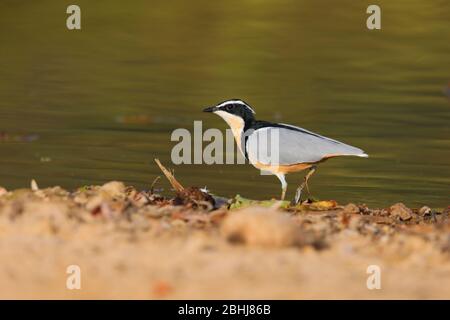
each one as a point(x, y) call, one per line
point(283, 194)
point(298, 196)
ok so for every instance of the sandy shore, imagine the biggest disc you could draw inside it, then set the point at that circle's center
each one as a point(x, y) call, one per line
point(134, 244)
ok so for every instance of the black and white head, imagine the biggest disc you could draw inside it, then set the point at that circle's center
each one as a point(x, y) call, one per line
point(234, 110)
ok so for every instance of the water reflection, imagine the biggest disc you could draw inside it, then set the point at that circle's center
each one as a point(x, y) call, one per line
point(104, 101)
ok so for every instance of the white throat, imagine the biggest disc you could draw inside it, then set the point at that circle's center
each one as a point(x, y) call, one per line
point(236, 124)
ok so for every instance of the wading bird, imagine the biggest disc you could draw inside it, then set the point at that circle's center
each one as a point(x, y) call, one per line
point(279, 148)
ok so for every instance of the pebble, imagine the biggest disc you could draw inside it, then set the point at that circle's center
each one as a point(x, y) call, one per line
point(33, 185)
point(351, 209)
point(401, 211)
point(424, 211)
point(114, 188)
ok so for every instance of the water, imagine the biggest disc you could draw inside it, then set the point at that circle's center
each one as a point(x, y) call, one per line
point(89, 106)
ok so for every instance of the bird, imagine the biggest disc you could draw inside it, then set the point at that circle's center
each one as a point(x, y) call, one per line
point(293, 148)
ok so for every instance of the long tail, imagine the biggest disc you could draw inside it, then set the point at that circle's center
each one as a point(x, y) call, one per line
point(362, 155)
point(356, 153)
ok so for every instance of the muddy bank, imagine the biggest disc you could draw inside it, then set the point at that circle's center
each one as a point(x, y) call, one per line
point(130, 243)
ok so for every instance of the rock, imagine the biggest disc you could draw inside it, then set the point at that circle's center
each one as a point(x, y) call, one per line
point(424, 211)
point(114, 189)
point(351, 209)
point(33, 185)
point(401, 211)
point(3, 191)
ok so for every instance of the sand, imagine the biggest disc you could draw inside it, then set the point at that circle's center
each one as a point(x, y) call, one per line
point(131, 244)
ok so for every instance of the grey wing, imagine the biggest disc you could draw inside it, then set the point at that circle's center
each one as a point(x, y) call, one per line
point(285, 146)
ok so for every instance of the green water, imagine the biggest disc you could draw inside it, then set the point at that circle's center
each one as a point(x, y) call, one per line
point(68, 98)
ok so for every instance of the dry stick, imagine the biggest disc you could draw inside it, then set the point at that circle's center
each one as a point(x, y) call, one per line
point(152, 187)
point(175, 184)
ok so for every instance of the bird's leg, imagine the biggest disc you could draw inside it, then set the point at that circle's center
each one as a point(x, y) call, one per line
point(282, 179)
point(283, 192)
point(308, 175)
point(298, 193)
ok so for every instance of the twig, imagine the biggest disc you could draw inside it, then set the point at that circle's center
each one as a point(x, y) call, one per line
point(152, 187)
point(175, 184)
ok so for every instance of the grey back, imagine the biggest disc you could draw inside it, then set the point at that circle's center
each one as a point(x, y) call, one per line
point(286, 146)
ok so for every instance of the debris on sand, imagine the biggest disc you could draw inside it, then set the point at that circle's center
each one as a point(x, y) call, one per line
point(193, 197)
point(189, 244)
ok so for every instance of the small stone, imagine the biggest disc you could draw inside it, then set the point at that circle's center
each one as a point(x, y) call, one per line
point(424, 211)
point(114, 188)
point(34, 186)
point(351, 209)
point(3, 191)
point(400, 210)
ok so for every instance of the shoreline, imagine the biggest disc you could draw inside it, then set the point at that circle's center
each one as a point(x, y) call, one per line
point(138, 244)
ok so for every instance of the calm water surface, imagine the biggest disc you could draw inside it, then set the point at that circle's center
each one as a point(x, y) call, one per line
point(99, 104)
